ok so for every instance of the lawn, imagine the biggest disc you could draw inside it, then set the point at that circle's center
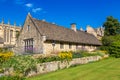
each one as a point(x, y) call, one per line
point(108, 69)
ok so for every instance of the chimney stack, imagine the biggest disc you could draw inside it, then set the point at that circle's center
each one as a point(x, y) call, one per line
point(73, 27)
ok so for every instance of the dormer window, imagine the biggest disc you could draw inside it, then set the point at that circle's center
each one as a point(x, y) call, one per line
point(28, 27)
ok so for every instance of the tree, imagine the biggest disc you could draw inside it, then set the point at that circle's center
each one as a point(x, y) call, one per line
point(111, 39)
point(112, 45)
point(112, 26)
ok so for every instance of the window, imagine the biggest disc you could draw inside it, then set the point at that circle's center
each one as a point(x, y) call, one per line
point(83, 47)
point(28, 27)
point(61, 46)
point(53, 43)
point(7, 35)
point(91, 47)
point(28, 45)
point(76, 46)
point(17, 34)
point(70, 46)
point(11, 33)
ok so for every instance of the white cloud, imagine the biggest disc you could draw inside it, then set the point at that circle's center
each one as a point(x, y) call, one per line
point(36, 10)
point(29, 5)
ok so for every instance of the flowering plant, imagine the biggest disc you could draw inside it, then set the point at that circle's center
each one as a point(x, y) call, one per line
point(65, 55)
point(5, 56)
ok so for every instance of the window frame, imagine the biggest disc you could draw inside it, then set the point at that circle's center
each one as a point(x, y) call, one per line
point(77, 46)
point(28, 43)
point(28, 27)
point(70, 46)
point(61, 46)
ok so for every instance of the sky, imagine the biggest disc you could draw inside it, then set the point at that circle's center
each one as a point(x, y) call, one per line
point(60, 12)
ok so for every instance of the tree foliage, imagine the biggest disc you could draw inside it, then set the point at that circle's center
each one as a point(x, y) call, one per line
point(112, 26)
point(112, 45)
point(111, 39)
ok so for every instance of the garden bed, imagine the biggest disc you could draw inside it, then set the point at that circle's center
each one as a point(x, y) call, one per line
point(28, 65)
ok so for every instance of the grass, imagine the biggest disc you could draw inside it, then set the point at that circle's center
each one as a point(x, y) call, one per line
point(108, 69)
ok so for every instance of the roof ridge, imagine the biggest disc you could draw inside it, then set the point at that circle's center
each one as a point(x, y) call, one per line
point(56, 25)
point(62, 26)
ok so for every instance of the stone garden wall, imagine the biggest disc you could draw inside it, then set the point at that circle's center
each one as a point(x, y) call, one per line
point(56, 65)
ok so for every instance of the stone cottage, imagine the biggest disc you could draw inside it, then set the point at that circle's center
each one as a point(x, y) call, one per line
point(39, 36)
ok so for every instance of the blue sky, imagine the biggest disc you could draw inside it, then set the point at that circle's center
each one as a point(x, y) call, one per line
point(61, 12)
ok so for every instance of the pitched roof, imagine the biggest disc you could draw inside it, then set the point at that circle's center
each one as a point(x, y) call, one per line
point(58, 33)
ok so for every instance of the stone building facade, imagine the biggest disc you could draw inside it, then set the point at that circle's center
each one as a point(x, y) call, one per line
point(8, 34)
point(39, 36)
point(98, 33)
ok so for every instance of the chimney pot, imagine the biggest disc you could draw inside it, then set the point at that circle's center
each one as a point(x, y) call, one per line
point(73, 26)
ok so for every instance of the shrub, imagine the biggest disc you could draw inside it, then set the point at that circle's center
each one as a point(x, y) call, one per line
point(47, 59)
point(20, 64)
point(114, 49)
point(23, 64)
point(76, 55)
point(80, 54)
point(101, 52)
point(5, 56)
point(65, 55)
point(112, 45)
point(12, 78)
point(4, 50)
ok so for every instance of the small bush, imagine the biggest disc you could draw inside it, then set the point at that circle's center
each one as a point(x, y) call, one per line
point(114, 49)
point(47, 59)
point(77, 55)
point(20, 64)
point(65, 55)
point(101, 53)
point(80, 54)
point(12, 78)
point(5, 56)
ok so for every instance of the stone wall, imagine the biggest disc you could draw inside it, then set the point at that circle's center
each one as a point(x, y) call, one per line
point(29, 31)
point(1, 45)
point(48, 48)
point(56, 65)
